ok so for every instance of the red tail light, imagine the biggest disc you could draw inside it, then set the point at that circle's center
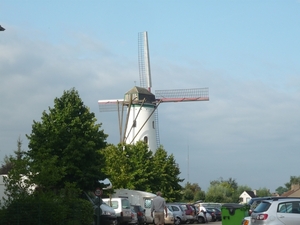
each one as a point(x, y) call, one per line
point(262, 216)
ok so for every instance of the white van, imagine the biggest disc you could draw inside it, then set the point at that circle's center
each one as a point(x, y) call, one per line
point(121, 207)
point(136, 197)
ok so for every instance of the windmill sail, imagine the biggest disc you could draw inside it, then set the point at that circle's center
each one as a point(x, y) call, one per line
point(182, 95)
point(144, 61)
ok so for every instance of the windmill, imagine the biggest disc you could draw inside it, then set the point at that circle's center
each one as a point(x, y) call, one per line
point(141, 120)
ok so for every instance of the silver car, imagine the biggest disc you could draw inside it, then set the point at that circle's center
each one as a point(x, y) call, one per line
point(285, 211)
point(247, 221)
point(169, 219)
point(178, 212)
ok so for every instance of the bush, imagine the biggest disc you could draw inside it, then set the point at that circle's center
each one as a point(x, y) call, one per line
point(34, 210)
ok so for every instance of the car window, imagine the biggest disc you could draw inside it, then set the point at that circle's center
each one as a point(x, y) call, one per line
point(174, 208)
point(125, 204)
point(114, 204)
point(147, 203)
point(262, 207)
point(255, 204)
point(289, 207)
point(282, 208)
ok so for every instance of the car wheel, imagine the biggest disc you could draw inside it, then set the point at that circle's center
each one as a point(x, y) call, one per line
point(177, 221)
point(201, 219)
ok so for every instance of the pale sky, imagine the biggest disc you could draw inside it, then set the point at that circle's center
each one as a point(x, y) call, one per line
point(246, 52)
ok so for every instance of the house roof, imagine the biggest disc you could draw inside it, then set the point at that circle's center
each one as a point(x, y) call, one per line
point(251, 194)
point(294, 188)
point(289, 193)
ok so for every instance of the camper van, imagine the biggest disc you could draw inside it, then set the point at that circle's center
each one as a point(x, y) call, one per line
point(135, 197)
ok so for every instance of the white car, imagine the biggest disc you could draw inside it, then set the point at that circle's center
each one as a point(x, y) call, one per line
point(283, 211)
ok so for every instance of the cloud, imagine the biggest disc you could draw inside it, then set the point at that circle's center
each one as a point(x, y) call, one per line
point(249, 124)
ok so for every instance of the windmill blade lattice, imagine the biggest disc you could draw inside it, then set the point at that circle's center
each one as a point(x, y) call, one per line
point(182, 95)
point(110, 105)
point(144, 61)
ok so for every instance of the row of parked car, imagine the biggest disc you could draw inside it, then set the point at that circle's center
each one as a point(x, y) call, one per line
point(132, 207)
point(178, 213)
point(189, 213)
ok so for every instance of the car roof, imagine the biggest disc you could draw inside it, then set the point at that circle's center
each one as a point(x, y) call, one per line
point(267, 198)
point(281, 199)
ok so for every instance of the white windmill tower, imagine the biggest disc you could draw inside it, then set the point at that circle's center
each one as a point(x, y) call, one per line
point(141, 121)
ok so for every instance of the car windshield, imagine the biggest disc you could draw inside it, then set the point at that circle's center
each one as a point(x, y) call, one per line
point(211, 209)
point(262, 207)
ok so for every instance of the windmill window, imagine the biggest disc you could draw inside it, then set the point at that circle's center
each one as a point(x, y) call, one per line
point(153, 124)
point(146, 139)
point(134, 123)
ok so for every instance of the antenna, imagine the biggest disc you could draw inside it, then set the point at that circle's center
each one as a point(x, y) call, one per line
point(188, 164)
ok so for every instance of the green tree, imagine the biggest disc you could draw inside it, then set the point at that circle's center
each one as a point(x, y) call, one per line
point(242, 188)
point(192, 192)
point(217, 193)
point(228, 192)
point(63, 146)
point(166, 175)
point(129, 166)
point(293, 180)
point(263, 192)
point(199, 195)
point(188, 195)
point(135, 167)
point(280, 190)
point(7, 165)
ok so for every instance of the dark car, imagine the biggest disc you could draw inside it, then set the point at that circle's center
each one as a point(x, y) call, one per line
point(217, 213)
point(140, 211)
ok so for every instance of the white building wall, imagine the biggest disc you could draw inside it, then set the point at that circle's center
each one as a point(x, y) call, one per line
point(145, 125)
